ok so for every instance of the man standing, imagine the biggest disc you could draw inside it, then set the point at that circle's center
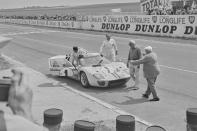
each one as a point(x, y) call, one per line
point(134, 54)
point(109, 48)
point(151, 71)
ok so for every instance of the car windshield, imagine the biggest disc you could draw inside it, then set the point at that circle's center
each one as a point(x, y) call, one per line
point(94, 60)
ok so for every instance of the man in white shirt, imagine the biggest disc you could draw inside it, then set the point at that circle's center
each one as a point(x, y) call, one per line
point(109, 48)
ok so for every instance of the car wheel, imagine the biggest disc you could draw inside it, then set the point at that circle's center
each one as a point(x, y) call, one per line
point(84, 80)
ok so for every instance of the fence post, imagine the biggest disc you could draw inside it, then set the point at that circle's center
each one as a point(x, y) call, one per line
point(82, 125)
point(125, 123)
point(53, 119)
point(191, 115)
point(155, 128)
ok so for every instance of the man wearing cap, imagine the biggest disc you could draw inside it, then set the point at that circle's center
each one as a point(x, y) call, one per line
point(20, 102)
point(151, 71)
point(109, 48)
point(134, 54)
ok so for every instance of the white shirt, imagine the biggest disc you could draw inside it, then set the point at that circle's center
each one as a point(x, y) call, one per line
point(108, 47)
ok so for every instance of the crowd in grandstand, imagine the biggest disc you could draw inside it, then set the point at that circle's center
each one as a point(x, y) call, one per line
point(173, 10)
point(159, 10)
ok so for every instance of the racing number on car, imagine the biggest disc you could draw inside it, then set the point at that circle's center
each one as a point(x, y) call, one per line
point(55, 64)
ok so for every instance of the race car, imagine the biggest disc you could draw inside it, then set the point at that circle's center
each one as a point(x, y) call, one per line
point(93, 70)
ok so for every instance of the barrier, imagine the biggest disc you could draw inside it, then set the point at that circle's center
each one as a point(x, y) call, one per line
point(155, 128)
point(156, 25)
point(191, 114)
point(53, 119)
point(82, 125)
point(66, 24)
point(125, 123)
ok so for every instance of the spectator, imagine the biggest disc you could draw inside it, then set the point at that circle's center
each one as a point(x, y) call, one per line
point(151, 71)
point(20, 102)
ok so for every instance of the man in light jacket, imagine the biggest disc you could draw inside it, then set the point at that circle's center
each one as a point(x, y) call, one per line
point(151, 71)
point(109, 48)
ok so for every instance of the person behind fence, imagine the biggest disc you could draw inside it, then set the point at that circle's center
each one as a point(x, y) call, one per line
point(20, 102)
point(151, 71)
point(109, 48)
point(134, 54)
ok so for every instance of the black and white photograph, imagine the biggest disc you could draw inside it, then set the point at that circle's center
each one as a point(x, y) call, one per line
point(98, 65)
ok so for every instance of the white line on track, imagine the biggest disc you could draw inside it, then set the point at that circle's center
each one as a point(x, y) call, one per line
point(26, 33)
point(172, 68)
point(47, 43)
point(155, 41)
point(179, 69)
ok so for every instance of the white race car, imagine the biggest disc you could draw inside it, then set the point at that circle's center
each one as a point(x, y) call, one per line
point(93, 70)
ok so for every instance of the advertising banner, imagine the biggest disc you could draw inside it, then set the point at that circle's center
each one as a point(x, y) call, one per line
point(66, 24)
point(151, 4)
point(33, 22)
point(154, 25)
point(42, 22)
point(162, 25)
point(53, 24)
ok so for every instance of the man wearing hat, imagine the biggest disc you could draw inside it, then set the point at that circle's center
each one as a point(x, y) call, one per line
point(109, 48)
point(134, 54)
point(151, 71)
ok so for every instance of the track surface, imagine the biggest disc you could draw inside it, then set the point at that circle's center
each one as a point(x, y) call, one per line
point(176, 85)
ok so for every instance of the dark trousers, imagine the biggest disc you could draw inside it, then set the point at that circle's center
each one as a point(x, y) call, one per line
point(151, 87)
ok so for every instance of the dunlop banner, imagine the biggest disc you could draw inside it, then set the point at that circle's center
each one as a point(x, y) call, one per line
point(154, 25)
point(162, 25)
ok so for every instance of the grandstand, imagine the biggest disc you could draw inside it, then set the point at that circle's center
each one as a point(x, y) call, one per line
point(182, 3)
point(131, 8)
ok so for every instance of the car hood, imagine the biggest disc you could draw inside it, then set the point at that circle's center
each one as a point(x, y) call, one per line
point(112, 71)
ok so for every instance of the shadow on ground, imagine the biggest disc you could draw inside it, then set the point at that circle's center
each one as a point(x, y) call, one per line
point(132, 101)
point(77, 85)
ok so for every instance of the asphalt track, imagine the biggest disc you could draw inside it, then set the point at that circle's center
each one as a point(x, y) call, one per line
point(176, 85)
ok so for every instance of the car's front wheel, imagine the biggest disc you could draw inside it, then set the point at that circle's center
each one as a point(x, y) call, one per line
point(84, 80)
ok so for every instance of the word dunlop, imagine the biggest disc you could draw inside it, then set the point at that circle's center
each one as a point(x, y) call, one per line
point(156, 28)
point(116, 27)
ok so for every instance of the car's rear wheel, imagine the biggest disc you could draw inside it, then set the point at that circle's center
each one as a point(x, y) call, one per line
point(84, 80)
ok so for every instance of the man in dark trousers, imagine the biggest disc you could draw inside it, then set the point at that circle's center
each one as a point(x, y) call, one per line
point(151, 71)
point(134, 54)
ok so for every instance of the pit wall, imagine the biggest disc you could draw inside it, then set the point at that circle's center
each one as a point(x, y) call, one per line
point(184, 26)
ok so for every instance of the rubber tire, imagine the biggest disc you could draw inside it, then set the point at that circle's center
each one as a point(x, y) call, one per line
point(86, 84)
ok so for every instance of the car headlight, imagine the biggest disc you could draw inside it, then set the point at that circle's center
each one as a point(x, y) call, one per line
point(99, 76)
